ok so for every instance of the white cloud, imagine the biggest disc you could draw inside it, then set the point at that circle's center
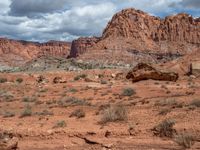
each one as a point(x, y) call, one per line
point(43, 20)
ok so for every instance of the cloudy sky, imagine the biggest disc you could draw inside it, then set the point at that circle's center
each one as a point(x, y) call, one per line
point(43, 20)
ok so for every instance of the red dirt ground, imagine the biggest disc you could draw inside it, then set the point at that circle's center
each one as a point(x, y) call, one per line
point(37, 132)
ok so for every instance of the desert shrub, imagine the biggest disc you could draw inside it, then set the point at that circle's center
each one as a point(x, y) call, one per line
point(29, 99)
point(60, 124)
point(6, 96)
point(114, 113)
point(3, 80)
point(44, 113)
point(72, 101)
point(195, 103)
point(82, 76)
point(164, 111)
point(26, 112)
point(41, 79)
point(103, 82)
point(79, 113)
point(19, 80)
point(166, 102)
point(128, 92)
point(185, 140)
point(165, 128)
point(8, 114)
point(73, 90)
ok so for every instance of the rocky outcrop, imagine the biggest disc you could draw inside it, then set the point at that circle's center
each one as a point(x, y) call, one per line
point(80, 46)
point(16, 53)
point(134, 30)
point(145, 72)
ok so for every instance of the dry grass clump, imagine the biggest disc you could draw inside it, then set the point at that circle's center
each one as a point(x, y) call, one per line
point(185, 140)
point(114, 113)
point(165, 128)
point(195, 102)
point(79, 113)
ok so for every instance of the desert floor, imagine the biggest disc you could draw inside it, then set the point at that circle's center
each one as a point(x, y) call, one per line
point(70, 113)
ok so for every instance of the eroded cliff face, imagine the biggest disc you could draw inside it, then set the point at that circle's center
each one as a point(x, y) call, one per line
point(16, 53)
point(80, 46)
point(136, 30)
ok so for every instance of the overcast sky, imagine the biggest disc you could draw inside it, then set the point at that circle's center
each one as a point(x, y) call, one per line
point(43, 20)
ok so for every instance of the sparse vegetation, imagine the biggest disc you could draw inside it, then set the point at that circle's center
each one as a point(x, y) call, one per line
point(128, 92)
point(73, 90)
point(60, 124)
point(3, 80)
point(8, 114)
point(167, 102)
point(6, 96)
point(82, 76)
point(164, 111)
point(114, 113)
point(195, 103)
point(44, 113)
point(19, 80)
point(72, 101)
point(29, 99)
point(185, 140)
point(165, 128)
point(79, 113)
point(26, 112)
point(104, 82)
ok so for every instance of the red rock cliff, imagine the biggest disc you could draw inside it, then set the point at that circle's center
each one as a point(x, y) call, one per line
point(133, 29)
point(14, 52)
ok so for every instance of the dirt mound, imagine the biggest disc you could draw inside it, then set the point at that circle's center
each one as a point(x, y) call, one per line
point(144, 72)
point(16, 53)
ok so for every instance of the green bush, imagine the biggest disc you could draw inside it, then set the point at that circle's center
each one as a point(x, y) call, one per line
point(128, 92)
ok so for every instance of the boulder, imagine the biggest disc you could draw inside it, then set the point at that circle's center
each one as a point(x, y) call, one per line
point(145, 72)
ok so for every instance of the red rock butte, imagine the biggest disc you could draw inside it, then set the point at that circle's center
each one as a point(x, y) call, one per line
point(132, 29)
